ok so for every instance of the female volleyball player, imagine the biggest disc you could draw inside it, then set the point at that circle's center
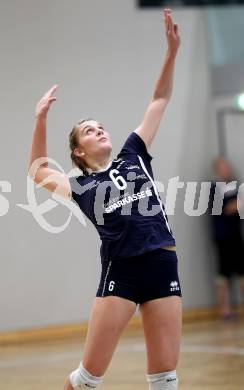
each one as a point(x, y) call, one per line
point(139, 262)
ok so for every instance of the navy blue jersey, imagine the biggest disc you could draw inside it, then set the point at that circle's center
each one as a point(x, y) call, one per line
point(123, 203)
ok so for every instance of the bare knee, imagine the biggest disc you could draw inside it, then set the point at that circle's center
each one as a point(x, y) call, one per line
point(165, 362)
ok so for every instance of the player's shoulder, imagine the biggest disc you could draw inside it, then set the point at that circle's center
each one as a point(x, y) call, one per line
point(134, 145)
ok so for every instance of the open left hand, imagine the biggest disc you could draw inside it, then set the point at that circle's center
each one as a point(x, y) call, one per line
point(171, 30)
point(44, 104)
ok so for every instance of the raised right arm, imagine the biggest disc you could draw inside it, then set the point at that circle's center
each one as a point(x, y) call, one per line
point(55, 181)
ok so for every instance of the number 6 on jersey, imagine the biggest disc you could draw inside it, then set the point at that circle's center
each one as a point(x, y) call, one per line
point(117, 180)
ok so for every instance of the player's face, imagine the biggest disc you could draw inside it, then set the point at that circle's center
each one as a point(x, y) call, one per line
point(94, 139)
point(223, 169)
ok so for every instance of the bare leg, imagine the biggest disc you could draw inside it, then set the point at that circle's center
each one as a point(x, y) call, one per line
point(241, 286)
point(162, 328)
point(109, 317)
point(223, 295)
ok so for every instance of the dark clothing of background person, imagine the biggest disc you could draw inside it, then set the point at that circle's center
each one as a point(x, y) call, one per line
point(226, 231)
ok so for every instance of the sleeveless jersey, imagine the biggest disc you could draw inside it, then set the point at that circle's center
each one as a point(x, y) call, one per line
point(123, 203)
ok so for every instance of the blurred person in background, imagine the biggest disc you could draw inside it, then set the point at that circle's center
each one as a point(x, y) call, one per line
point(227, 235)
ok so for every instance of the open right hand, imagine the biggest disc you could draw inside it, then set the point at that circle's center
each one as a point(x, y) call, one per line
point(172, 31)
point(44, 104)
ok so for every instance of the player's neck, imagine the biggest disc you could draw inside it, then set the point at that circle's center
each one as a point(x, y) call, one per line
point(99, 164)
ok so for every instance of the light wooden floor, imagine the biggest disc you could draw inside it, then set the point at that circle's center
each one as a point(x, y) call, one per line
point(212, 358)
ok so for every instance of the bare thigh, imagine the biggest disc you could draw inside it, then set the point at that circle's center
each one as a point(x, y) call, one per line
point(161, 320)
point(108, 318)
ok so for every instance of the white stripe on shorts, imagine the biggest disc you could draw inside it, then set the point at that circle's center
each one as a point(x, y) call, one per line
point(105, 279)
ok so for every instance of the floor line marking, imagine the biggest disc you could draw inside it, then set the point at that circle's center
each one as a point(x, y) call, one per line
point(136, 347)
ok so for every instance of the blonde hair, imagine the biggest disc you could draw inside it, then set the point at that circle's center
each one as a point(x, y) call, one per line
point(74, 143)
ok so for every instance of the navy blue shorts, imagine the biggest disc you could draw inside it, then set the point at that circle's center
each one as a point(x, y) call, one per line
point(141, 278)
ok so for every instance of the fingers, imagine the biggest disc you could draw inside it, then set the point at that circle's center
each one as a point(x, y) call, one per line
point(176, 29)
point(170, 26)
point(52, 99)
point(44, 104)
point(51, 91)
point(48, 97)
point(168, 19)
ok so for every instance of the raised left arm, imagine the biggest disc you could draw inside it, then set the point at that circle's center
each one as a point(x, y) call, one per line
point(163, 90)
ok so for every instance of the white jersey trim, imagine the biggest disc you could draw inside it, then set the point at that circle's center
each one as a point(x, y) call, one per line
point(155, 189)
point(90, 171)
